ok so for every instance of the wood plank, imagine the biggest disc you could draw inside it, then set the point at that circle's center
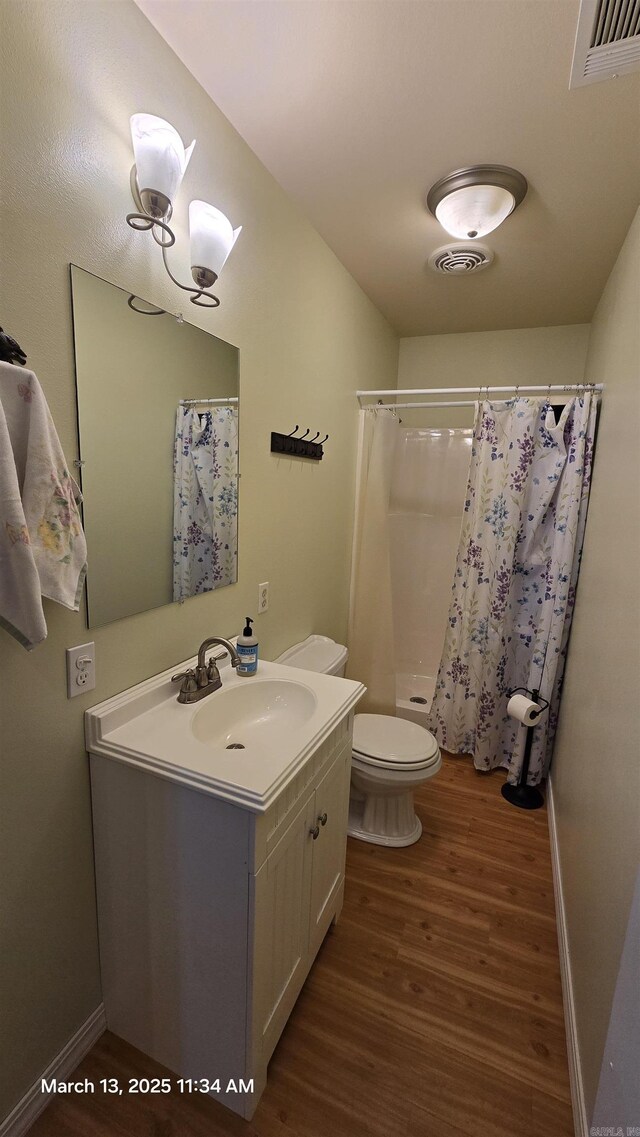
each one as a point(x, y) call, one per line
point(434, 1007)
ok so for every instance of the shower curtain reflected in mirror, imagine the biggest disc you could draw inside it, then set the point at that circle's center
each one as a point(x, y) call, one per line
point(425, 516)
point(205, 515)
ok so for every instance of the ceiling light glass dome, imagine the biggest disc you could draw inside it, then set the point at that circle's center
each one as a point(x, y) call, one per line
point(472, 202)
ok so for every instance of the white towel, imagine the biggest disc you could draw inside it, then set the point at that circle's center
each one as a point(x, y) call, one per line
point(43, 550)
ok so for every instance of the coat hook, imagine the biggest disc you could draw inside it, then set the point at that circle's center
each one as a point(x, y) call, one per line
point(323, 440)
point(298, 446)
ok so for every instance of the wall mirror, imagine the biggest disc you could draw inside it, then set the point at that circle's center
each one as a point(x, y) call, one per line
point(158, 403)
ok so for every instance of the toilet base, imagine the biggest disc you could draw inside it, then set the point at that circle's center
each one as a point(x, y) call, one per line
point(384, 820)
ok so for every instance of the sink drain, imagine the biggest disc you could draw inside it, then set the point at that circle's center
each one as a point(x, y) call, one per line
point(236, 746)
point(418, 699)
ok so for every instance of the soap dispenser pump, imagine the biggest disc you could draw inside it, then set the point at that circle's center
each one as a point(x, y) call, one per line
point(247, 647)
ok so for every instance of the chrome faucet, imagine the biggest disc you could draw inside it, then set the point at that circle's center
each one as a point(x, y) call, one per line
point(205, 678)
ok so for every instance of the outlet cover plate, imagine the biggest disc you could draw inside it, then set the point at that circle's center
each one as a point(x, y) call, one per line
point(263, 596)
point(81, 669)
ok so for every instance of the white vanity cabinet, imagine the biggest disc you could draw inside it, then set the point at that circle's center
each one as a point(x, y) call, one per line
point(211, 913)
point(297, 892)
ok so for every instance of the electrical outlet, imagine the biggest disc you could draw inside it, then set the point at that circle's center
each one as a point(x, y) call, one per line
point(81, 669)
point(263, 597)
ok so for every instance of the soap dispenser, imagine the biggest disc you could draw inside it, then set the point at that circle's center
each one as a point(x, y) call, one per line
point(247, 650)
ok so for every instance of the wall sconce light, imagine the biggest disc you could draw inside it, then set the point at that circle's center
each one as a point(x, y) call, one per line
point(161, 160)
point(473, 202)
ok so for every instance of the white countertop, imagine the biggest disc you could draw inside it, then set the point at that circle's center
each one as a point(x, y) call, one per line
point(146, 727)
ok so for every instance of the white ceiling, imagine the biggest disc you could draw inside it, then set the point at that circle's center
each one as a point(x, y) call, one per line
point(358, 106)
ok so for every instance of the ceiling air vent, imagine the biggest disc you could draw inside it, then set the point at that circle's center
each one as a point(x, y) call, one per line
point(460, 259)
point(607, 41)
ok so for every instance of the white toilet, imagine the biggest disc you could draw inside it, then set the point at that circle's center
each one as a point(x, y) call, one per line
point(391, 757)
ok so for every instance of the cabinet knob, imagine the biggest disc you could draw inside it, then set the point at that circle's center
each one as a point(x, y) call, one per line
point(322, 818)
point(315, 832)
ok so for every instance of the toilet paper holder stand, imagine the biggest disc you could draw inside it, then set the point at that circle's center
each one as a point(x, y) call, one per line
point(522, 795)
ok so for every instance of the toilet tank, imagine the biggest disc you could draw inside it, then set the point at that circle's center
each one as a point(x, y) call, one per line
point(316, 653)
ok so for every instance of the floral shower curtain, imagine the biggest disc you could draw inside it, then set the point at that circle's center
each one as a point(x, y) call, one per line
point(515, 578)
point(205, 505)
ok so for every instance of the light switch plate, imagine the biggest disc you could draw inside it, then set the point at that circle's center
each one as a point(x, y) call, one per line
point(263, 597)
point(81, 669)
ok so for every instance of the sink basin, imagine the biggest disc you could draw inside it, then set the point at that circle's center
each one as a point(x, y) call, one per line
point(255, 710)
point(279, 716)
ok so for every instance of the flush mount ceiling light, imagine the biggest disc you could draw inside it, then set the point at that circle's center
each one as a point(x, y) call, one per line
point(473, 202)
point(161, 160)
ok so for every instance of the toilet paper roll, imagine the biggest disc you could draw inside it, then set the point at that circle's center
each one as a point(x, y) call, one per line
point(523, 709)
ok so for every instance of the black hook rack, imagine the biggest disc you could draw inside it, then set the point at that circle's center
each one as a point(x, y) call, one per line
point(295, 446)
point(10, 350)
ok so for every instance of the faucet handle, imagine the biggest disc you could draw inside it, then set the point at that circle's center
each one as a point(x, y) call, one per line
point(188, 687)
point(213, 675)
point(188, 678)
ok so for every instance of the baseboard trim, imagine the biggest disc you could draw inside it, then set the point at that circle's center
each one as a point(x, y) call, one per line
point(34, 1101)
point(580, 1122)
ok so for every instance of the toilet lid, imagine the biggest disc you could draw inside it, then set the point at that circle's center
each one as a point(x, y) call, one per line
point(316, 653)
point(391, 741)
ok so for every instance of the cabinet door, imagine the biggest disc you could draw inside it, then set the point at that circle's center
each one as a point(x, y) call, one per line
point(329, 849)
point(281, 931)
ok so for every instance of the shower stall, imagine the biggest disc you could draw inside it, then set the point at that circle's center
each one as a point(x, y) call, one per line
point(466, 557)
point(426, 505)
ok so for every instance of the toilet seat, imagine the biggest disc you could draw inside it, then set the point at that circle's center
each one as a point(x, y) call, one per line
point(393, 743)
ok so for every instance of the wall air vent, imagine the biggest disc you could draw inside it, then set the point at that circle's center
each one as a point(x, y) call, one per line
point(607, 41)
point(460, 259)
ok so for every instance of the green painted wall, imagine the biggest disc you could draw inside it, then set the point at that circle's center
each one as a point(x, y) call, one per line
point(71, 74)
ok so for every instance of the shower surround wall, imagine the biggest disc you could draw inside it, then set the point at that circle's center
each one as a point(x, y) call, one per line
point(426, 507)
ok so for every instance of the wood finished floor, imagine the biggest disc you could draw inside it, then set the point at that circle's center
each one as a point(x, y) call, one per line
point(434, 1008)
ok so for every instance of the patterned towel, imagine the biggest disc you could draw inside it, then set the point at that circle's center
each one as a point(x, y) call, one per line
point(43, 550)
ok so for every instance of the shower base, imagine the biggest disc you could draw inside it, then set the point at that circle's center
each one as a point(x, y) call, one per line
point(408, 687)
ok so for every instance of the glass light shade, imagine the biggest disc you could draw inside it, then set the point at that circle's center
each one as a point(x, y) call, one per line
point(212, 237)
point(160, 154)
point(474, 211)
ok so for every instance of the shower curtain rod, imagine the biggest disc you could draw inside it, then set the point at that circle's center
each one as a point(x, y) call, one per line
point(204, 402)
point(480, 388)
point(417, 406)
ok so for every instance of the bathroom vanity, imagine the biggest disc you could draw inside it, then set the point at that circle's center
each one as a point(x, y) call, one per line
point(219, 869)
